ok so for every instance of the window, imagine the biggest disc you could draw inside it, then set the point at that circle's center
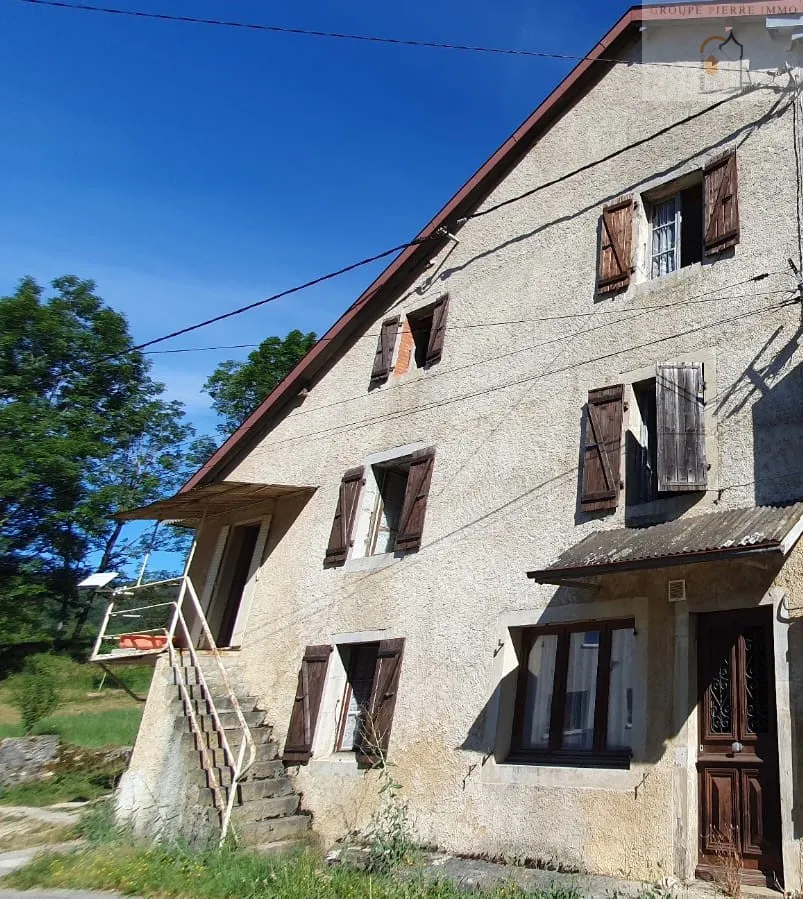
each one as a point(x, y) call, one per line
point(574, 700)
point(365, 709)
point(391, 481)
point(676, 231)
point(669, 457)
point(381, 508)
point(694, 217)
point(665, 449)
point(420, 344)
point(359, 661)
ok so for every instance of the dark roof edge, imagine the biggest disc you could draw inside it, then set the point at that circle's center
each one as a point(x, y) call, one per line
point(546, 575)
point(403, 266)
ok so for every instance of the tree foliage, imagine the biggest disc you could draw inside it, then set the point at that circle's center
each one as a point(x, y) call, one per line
point(237, 388)
point(87, 432)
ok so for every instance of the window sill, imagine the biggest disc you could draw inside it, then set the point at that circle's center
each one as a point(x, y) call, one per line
point(373, 563)
point(560, 775)
point(336, 764)
point(666, 508)
point(665, 282)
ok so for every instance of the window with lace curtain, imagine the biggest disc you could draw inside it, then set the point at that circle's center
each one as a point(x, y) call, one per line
point(676, 235)
point(574, 699)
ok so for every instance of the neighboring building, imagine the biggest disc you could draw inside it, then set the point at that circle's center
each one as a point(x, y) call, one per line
point(439, 516)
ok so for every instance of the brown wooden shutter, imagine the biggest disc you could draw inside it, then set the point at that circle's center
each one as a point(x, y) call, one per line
point(340, 538)
point(721, 205)
point(436, 334)
point(616, 246)
point(384, 348)
point(307, 703)
point(376, 730)
point(601, 454)
point(414, 509)
point(680, 405)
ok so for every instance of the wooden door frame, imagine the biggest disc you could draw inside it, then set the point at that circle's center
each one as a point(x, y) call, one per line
point(686, 716)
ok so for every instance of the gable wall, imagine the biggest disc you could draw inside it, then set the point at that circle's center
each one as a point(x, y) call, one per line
point(504, 411)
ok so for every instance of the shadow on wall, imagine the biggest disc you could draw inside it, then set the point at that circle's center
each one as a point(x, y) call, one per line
point(773, 386)
point(491, 731)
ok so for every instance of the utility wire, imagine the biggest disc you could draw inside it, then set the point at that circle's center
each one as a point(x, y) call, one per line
point(384, 417)
point(417, 241)
point(523, 321)
point(338, 35)
point(276, 296)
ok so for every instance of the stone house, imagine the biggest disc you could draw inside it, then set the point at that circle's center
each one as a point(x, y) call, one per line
point(527, 512)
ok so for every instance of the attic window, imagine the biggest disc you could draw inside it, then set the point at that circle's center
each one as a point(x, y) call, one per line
point(421, 328)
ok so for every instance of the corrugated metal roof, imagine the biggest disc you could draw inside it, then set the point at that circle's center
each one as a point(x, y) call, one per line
point(712, 535)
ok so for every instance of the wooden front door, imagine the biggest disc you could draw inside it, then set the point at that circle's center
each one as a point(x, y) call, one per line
point(737, 762)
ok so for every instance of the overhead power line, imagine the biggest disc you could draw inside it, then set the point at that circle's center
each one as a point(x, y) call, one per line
point(346, 36)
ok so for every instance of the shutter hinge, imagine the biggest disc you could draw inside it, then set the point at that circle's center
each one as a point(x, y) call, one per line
point(621, 485)
point(625, 406)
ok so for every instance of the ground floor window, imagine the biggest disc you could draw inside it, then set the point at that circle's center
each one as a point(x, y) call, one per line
point(574, 697)
point(359, 660)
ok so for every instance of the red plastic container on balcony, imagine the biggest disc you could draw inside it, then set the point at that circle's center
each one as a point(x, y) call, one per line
point(142, 641)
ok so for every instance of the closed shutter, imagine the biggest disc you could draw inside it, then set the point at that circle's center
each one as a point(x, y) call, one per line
point(721, 203)
point(414, 508)
point(602, 447)
point(376, 729)
point(345, 517)
point(384, 349)
point(680, 405)
point(436, 334)
point(306, 705)
point(615, 246)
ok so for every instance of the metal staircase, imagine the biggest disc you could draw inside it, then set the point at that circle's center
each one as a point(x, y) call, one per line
point(220, 730)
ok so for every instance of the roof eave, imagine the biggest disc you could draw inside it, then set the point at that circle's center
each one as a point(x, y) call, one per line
point(553, 575)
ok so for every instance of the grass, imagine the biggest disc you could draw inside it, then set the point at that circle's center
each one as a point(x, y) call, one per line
point(13, 835)
point(87, 716)
point(238, 874)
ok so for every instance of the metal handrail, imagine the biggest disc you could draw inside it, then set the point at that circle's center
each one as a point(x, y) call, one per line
point(246, 755)
point(241, 767)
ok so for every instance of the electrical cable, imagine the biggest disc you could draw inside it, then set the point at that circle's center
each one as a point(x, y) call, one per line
point(417, 241)
point(338, 35)
point(384, 417)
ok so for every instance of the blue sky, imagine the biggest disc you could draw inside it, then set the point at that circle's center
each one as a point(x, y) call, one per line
point(190, 169)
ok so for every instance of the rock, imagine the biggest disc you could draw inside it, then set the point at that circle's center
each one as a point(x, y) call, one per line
point(26, 759)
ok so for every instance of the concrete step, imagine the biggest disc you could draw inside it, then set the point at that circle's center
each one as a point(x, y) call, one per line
point(228, 718)
point(200, 699)
point(280, 847)
point(259, 833)
point(253, 791)
point(262, 809)
point(214, 740)
point(265, 752)
point(257, 772)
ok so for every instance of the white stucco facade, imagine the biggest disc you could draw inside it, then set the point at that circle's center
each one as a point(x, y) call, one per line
point(527, 337)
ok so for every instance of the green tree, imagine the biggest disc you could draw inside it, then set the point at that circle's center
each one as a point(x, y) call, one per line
point(237, 388)
point(86, 433)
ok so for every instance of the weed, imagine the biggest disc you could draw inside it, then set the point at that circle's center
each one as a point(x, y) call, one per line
point(35, 690)
point(390, 833)
point(729, 861)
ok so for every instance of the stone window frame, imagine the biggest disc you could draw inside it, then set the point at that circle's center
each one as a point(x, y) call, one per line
point(498, 723)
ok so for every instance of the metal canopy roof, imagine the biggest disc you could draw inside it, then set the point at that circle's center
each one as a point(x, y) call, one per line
point(211, 499)
point(702, 538)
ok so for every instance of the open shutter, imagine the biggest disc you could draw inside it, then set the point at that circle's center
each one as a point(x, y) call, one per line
point(680, 405)
point(384, 348)
point(307, 703)
point(345, 517)
point(721, 217)
point(436, 334)
point(601, 454)
point(616, 246)
point(414, 509)
point(376, 730)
